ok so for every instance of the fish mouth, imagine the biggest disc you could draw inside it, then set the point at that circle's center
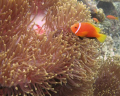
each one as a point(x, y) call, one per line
point(71, 27)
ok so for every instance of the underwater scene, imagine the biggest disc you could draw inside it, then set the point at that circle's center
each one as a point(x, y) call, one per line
point(59, 47)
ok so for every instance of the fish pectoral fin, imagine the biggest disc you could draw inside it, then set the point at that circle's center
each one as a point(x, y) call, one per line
point(83, 34)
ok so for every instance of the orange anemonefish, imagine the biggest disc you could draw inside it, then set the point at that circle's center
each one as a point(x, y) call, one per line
point(112, 17)
point(86, 29)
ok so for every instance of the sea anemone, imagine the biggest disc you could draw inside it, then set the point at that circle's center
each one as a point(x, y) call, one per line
point(46, 64)
point(14, 16)
point(60, 17)
point(83, 70)
point(37, 64)
point(42, 4)
point(63, 14)
point(108, 81)
point(29, 66)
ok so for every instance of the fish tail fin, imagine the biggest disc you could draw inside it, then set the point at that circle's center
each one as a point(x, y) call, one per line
point(101, 38)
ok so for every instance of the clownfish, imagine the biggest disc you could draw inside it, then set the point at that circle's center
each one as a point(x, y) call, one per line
point(112, 17)
point(86, 29)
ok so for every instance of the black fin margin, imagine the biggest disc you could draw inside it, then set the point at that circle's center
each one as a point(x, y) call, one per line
point(81, 38)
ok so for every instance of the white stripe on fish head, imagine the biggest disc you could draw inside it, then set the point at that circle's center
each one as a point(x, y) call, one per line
point(78, 28)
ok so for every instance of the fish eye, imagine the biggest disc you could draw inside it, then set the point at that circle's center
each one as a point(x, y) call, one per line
point(75, 27)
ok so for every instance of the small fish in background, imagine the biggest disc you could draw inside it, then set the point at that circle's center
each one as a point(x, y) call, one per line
point(94, 10)
point(112, 17)
point(86, 29)
point(96, 20)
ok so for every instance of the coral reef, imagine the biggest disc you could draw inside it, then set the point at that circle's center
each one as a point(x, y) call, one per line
point(108, 81)
point(95, 12)
point(117, 4)
point(111, 27)
point(108, 7)
point(99, 15)
point(107, 48)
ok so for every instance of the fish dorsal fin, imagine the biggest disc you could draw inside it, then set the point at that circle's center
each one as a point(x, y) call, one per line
point(97, 29)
